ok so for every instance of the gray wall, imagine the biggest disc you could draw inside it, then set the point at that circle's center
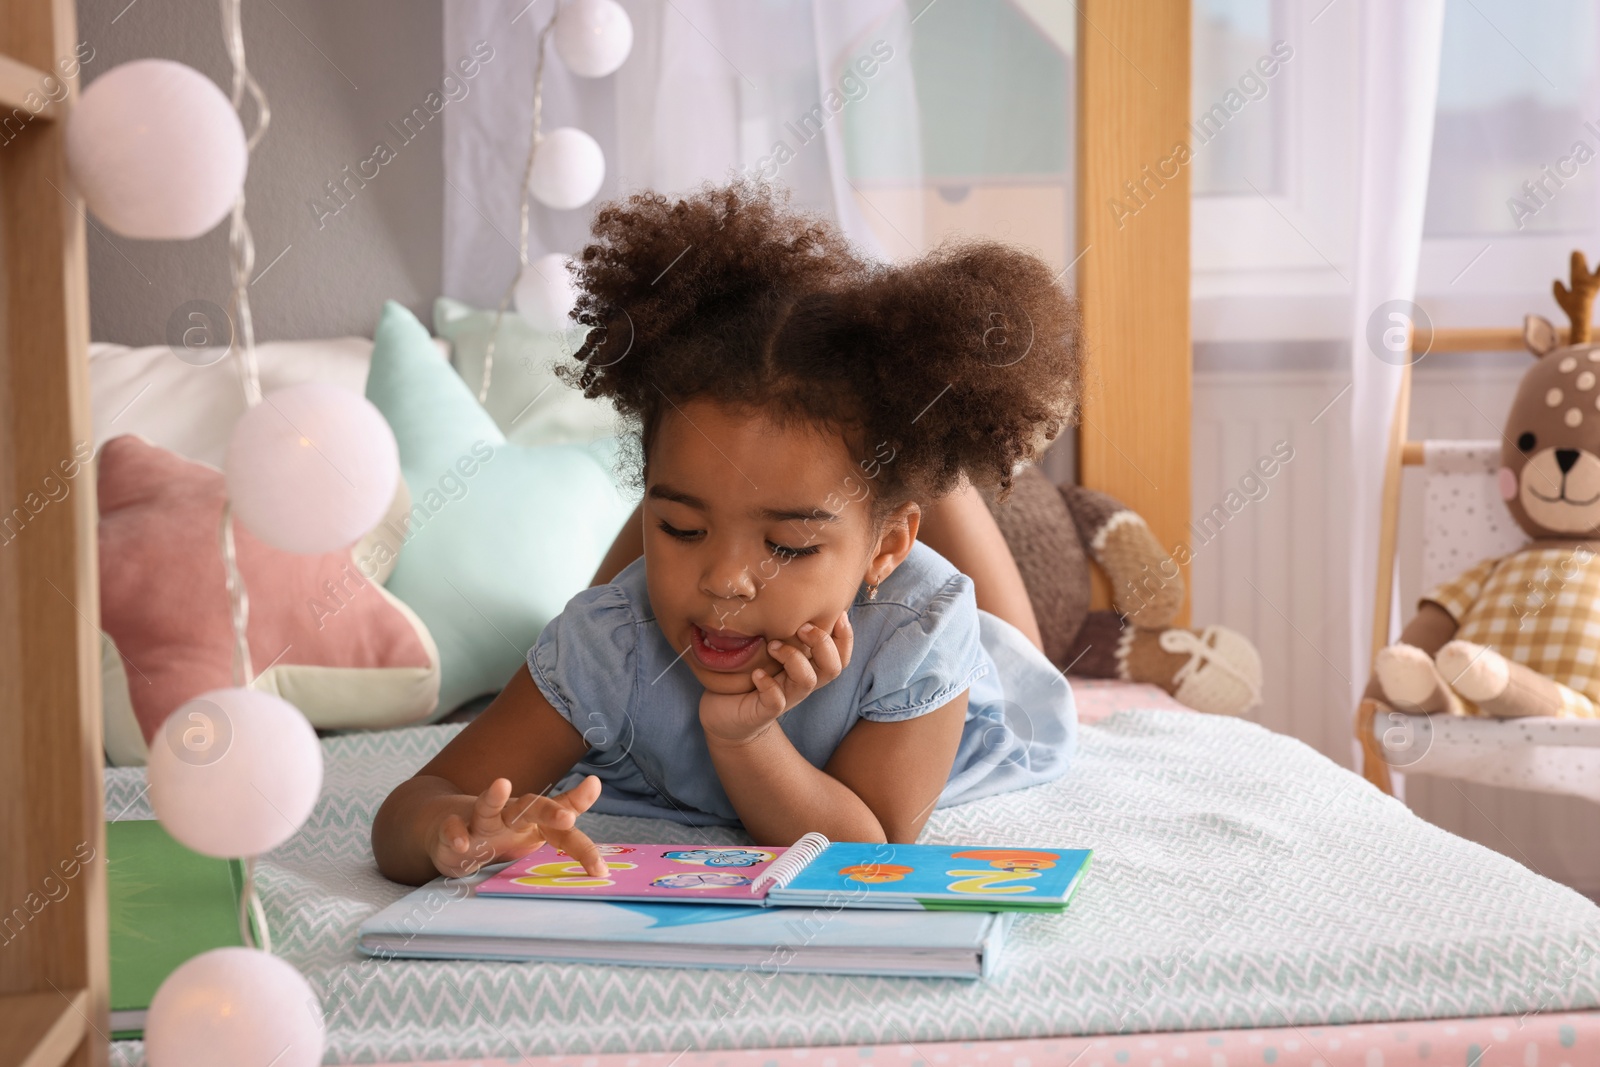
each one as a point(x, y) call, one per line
point(336, 74)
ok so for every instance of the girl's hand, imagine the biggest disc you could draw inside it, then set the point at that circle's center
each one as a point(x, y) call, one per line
point(743, 717)
point(500, 828)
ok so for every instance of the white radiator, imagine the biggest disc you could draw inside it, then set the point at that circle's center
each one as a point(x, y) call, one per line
point(1271, 560)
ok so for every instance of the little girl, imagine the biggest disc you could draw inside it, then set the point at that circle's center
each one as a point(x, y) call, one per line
point(786, 655)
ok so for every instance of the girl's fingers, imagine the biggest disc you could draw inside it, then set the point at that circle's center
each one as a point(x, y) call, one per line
point(769, 692)
point(567, 837)
point(802, 678)
point(824, 653)
point(581, 797)
point(576, 844)
point(533, 811)
point(453, 834)
point(844, 638)
point(491, 802)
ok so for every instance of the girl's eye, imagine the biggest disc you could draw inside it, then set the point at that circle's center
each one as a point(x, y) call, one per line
point(785, 552)
point(781, 551)
point(673, 531)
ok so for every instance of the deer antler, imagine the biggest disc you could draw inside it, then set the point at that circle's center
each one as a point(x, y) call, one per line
point(1578, 300)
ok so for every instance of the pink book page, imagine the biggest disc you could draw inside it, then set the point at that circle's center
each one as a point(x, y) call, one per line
point(651, 872)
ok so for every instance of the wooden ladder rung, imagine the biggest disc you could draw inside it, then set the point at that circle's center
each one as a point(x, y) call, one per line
point(23, 88)
point(42, 1029)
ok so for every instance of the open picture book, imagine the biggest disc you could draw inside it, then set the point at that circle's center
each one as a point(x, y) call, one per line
point(812, 872)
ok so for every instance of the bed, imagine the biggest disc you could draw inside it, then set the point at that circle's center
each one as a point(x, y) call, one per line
point(1193, 930)
point(1251, 902)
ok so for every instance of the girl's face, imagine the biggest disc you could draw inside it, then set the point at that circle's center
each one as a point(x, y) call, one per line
point(753, 530)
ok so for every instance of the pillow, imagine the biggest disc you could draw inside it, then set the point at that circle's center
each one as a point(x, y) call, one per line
point(323, 633)
point(529, 404)
point(124, 741)
point(501, 535)
point(190, 405)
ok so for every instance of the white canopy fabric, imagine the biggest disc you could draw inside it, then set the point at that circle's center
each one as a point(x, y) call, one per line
point(709, 91)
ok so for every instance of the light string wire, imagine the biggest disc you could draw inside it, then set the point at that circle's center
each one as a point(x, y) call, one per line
point(241, 246)
point(522, 203)
point(242, 344)
point(238, 601)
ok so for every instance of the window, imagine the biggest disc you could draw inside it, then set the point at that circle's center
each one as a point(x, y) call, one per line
point(1230, 36)
point(1273, 187)
point(1511, 151)
point(993, 148)
point(1512, 183)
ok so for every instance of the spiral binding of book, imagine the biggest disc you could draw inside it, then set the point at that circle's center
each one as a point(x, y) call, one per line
point(795, 860)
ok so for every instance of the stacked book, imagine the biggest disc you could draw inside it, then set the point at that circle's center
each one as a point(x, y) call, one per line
point(817, 906)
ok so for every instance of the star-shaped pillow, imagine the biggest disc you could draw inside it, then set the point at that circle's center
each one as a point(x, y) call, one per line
point(324, 634)
point(500, 535)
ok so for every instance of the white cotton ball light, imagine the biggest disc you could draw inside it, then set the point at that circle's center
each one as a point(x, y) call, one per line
point(232, 1006)
point(157, 150)
point(567, 169)
point(234, 773)
point(593, 37)
point(544, 294)
point(312, 468)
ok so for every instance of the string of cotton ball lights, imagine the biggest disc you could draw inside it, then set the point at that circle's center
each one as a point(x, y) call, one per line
point(156, 150)
point(241, 246)
point(238, 600)
point(235, 1005)
point(159, 152)
point(565, 167)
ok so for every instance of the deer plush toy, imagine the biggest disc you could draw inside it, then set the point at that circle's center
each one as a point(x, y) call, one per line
point(1520, 635)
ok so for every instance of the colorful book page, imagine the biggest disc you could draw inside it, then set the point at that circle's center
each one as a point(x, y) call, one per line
point(644, 872)
point(996, 877)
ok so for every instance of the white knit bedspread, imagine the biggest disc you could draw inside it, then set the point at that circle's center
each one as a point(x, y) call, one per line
point(1239, 879)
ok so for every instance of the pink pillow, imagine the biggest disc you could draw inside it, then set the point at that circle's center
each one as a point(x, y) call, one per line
point(322, 635)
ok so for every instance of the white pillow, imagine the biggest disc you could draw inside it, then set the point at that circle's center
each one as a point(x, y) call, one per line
point(191, 409)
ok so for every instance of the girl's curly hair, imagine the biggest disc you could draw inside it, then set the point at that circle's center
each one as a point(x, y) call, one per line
point(962, 363)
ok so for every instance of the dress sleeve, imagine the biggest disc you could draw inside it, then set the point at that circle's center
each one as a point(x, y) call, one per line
point(1458, 595)
point(925, 661)
point(584, 663)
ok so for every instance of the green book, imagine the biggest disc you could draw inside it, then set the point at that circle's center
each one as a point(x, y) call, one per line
point(166, 905)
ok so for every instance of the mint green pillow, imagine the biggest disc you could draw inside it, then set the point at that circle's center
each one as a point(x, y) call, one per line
point(501, 535)
point(526, 400)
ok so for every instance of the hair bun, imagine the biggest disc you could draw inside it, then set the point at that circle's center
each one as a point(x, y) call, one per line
point(705, 268)
point(974, 351)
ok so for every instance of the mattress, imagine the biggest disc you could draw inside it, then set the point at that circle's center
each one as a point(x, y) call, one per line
point(1240, 880)
point(1563, 1039)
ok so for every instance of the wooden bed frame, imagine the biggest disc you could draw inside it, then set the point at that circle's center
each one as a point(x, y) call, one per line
point(1133, 281)
point(53, 965)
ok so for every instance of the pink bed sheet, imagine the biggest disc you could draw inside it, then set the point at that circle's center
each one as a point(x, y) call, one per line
point(1560, 1039)
point(1097, 698)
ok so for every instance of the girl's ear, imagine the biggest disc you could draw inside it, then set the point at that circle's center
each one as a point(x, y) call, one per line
point(894, 543)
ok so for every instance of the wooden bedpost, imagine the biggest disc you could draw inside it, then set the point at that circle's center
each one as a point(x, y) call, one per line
point(1133, 274)
point(53, 963)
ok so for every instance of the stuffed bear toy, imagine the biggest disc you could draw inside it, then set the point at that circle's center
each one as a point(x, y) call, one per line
point(1055, 533)
point(1519, 635)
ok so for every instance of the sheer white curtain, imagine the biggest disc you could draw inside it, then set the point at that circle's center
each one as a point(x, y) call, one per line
point(711, 88)
point(1399, 56)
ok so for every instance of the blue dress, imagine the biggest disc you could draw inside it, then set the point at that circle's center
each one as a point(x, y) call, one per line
point(606, 667)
